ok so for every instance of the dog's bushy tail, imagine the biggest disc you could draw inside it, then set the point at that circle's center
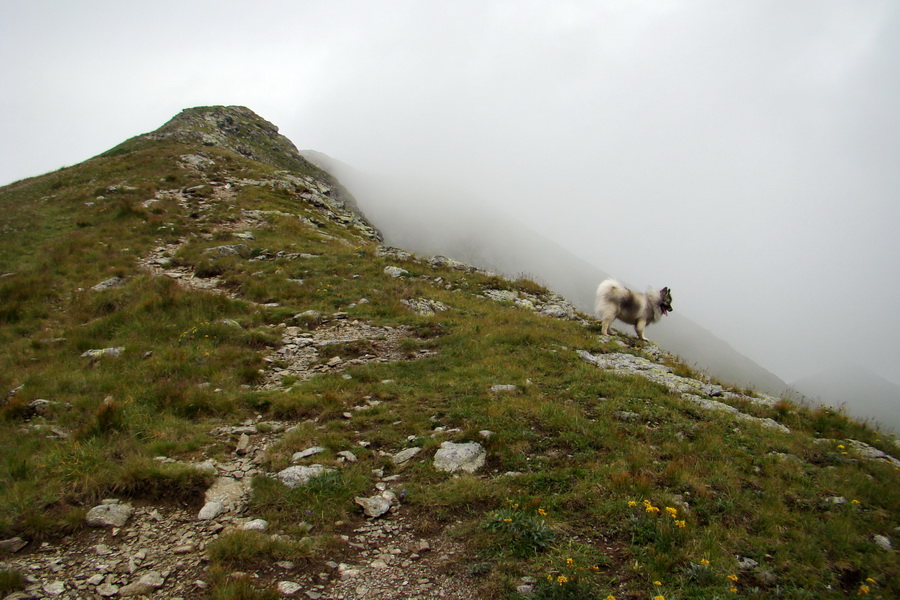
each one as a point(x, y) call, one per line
point(609, 292)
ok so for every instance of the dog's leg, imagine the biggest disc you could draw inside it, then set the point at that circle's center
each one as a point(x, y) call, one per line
point(604, 330)
point(639, 328)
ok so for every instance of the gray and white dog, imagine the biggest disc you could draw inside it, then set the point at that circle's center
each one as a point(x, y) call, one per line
point(615, 301)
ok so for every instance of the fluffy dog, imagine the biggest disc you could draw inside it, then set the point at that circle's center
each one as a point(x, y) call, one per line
point(615, 301)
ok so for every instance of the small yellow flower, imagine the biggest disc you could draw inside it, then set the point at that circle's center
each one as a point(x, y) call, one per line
point(507, 520)
point(733, 590)
point(542, 512)
point(610, 597)
point(870, 580)
point(841, 446)
point(733, 578)
point(596, 568)
point(680, 524)
point(704, 562)
point(863, 590)
point(671, 511)
point(657, 583)
point(569, 562)
point(651, 509)
point(854, 501)
point(562, 579)
point(659, 598)
point(632, 503)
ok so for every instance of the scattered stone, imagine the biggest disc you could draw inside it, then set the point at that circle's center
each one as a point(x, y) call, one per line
point(12, 545)
point(97, 354)
point(54, 588)
point(298, 456)
point(452, 457)
point(289, 589)
point(230, 250)
point(107, 590)
point(504, 389)
point(883, 542)
point(746, 563)
point(108, 515)
point(255, 525)
point(836, 500)
point(243, 445)
point(405, 455)
point(109, 283)
point(348, 456)
point(395, 272)
point(210, 511)
point(425, 307)
point(300, 475)
point(375, 506)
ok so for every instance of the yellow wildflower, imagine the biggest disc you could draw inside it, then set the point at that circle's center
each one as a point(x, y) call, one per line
point(733, 578)
point(870, 580)
point(854, 501)
point(733, 590)
point(680, 524)
point(841, 446)
point(562, 579)
point(657, 583)
point(507, 520)
point(569, 562)
point(659, 598)
point(863, 590)
point(704, 562)
point(610, 597)
point(672, 511)
point(632, 503)
point(542, 512)
point(651, 509)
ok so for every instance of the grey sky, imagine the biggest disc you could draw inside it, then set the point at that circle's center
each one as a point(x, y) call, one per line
point(743, 153)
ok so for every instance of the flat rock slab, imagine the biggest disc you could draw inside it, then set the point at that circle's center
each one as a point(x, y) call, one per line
point(452, 457)
point(108, 515)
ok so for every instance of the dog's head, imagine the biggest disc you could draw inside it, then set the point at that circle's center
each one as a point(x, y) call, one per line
point(665, 300)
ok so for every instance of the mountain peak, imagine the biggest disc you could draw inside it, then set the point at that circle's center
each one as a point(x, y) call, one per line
point(237, 128)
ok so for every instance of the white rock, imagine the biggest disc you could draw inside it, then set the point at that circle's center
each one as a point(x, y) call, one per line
point(375, 506)
point(210, 511)
point(308, 452)
point(452, 457)
point(404, 455)
point(348, 456)
point(883, 542)
point(300, 475)
point(55, 588)
point(288, 589)
point(395, 271)
point(255, 525)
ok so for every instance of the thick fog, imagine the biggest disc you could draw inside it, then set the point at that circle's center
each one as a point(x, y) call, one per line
point(744, 153)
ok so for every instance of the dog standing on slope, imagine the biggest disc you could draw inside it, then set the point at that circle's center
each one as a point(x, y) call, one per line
point(615, 301)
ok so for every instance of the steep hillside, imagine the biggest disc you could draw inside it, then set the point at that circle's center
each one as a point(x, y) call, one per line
point(217, 382)
point(858, 390)
point(468, 229)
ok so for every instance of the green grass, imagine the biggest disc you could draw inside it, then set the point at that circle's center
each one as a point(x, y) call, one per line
point(192, 361)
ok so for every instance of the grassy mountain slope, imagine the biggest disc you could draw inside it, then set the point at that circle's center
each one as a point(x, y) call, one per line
point(249, 300)
point(467, 229)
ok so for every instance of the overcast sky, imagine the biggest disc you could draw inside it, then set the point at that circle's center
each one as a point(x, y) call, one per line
point(744, 153)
